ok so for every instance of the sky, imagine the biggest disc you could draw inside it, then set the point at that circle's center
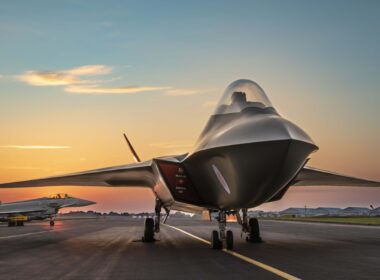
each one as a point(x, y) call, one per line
point(75, 75)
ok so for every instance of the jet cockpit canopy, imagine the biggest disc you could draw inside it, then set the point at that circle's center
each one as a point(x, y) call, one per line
point(242, 94)
point(59, 196)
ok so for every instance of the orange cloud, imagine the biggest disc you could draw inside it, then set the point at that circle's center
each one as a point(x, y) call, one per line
point(47, 78)
point(34, 147)
point(110, 90)
point(73, 83)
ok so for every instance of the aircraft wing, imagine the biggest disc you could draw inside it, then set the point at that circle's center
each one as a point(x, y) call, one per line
point(19, 209)
point(309, 176)
point(131, 175)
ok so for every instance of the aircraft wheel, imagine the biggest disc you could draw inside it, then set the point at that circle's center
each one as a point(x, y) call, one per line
point(215, 241)
point(254, 231)
point(19, 224)
point(229, 240)
point(11, 224)
point(51, 223)
point(149, 230)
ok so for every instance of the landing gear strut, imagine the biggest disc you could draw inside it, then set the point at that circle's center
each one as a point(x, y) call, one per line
point(52, 221)
point(152, 226)
point(217, 239)
point(250, 227)
point(157, 216)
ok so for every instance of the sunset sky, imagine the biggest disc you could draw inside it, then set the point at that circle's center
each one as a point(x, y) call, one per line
point(75, 75)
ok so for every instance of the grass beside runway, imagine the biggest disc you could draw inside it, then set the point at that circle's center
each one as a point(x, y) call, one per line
point(362, 220)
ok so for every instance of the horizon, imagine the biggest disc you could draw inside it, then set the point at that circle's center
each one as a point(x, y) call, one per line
point(74, 77)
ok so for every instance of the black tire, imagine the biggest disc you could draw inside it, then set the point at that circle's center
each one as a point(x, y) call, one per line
point(11, 224)
point(19, 224)
point(52, 223)
point(215, 241)
point(254, 231)
point(229, 240)
point(149, 230)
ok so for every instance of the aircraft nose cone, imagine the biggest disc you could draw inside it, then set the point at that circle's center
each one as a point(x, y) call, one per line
point(86, 202)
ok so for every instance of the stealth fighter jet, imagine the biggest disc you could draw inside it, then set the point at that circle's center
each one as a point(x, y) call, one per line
point(247, 154)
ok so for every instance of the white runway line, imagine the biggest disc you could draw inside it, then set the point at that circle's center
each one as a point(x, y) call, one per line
point(242, 257)
point(24, 234)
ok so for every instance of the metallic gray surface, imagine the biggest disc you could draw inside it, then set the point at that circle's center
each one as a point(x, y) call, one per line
point(40, 208)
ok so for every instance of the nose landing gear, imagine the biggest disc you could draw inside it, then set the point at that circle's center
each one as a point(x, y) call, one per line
point(250, 227)
point(223, 236)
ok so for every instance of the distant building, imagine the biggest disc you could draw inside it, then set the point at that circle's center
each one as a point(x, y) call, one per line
point(310, 212)
point(375, 212)
point(354, 211)
point(255, 213)
point(326, 211)
point(270, 214)
point(296, 212)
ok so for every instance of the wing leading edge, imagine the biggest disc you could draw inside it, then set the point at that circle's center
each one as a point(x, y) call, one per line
point(19, 209)
point(131, 175)
point(309, 176)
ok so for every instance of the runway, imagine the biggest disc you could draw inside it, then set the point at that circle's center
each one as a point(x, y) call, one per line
point(110, 248)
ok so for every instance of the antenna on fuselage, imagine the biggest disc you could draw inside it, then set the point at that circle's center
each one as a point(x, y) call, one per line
point(135, 156)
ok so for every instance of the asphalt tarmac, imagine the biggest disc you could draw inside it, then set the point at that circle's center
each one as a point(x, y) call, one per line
point(111, 248)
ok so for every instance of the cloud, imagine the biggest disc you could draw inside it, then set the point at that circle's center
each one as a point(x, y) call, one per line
point(72, 81)
point(180, 92)
point(110, 90)
point(48, 78)
point(34, 147)
point(89, 70)
point(64, 77)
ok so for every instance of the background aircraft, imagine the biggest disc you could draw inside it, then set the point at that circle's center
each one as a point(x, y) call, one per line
point(246, 155)
point(16, 213)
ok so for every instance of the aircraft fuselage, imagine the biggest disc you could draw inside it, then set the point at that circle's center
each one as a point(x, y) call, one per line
point(241, 161)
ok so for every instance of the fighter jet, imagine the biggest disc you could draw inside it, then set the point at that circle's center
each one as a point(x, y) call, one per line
point(247, 154)
point(16, 213)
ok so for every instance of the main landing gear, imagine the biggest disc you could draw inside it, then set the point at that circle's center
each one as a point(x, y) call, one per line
point(52, 223)
point(249, 226)
point(152, 226)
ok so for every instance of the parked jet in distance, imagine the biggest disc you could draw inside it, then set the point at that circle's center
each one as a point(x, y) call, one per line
point(16, 213)
point(246, 155)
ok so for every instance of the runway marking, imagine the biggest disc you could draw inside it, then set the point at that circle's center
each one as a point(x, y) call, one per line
point(24, 234)
point(242, 257)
